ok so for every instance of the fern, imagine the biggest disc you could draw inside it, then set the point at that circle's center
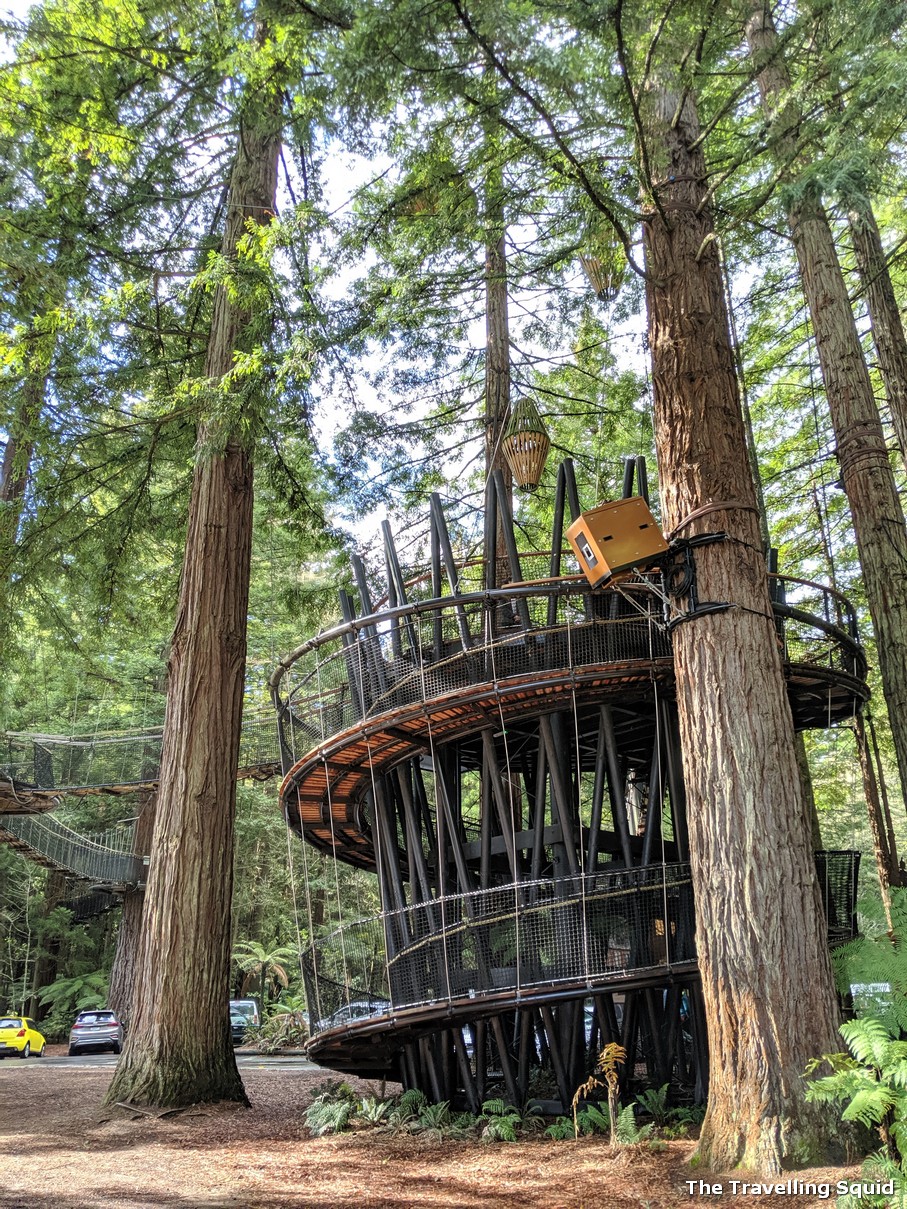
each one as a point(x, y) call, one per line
point(501, 1129)
point(871, 1084)
point(877, 963)
point(655, 1103)
point(328, 1116)
point(500, 1121)
point(628, 1132)
point(594, 1119)
point(413, 1101)
point(560, 1130)
point(435, 1116)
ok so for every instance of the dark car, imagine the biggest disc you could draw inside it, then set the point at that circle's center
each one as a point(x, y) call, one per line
point(244, 1014)
point(96, 1030)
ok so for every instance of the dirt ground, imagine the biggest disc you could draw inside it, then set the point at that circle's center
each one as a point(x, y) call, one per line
point(57, 1151)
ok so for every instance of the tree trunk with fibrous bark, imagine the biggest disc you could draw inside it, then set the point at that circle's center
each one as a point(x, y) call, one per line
point(178, 1050)
point(767, 985)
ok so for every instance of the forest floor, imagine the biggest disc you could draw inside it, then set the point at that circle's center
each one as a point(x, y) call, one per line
point(59, 1150)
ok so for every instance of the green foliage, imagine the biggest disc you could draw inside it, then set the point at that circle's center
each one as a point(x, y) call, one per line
point(627, 1131)
point(654, 1102)
point(332, 1109)
point(326, 1116)
point(76, 994)
point(877, 959)
point(502, 1122)
point(871, 1083)
point(372, 1111)
point(66, 997)
point(593, 1118)
point(283, 1027)
point(561, 1129)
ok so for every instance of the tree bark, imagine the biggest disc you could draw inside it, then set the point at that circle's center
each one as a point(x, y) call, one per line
point(46, 962)
point(866, 473)
point(497, 355)
point(125, 962)
point(767, 985)
point(886, 857)
point(884, 313)
point(179, 1049)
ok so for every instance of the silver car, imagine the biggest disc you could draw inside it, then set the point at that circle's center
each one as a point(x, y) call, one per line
point(96, 1030)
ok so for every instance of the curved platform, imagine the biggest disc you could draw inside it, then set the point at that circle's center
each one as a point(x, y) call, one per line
point(388, 688)
point(521, 951)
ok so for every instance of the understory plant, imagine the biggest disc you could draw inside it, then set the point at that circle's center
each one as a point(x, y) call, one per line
point(871, 1083)
point(284, 1027)
point(338, 1108)
point(870, 1080)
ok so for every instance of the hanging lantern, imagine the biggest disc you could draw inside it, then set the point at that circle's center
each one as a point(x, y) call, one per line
point(525, 444)
point(605, 265)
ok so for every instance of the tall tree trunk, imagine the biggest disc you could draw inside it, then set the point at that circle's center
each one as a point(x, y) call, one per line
point(46, 961)
point(125, 962)
point(767, 985)
point(497, 341)
point(497, 353)
point(886, 856)
point(179, 1050)
point(878, 518)
point(885, 316)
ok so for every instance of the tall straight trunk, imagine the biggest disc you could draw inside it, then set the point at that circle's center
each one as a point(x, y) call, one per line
point(497, 339)
point(497, 353)
point(120, 997)
point(178, 1050)
point(883, 847)
point(46, 961)
point(878, 518)
point(884, 313)
point(767, 984)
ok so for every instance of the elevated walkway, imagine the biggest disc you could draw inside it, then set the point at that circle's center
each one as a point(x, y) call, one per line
point(453, 962)
point(392, 686)
point(105, 859)
point(43, 767)
point(37, 771)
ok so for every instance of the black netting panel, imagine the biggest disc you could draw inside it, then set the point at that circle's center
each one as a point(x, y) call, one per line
point(838, 872)
point(529, 935)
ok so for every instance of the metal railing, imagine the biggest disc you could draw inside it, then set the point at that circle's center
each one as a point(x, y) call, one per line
point(437, 647)
point(116, 758)
point(105, 859)
point(582, 931)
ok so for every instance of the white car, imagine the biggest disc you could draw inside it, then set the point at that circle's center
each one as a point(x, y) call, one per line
point(96, 1030)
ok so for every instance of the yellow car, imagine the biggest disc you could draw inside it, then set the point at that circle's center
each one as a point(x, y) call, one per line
point(19, 1035)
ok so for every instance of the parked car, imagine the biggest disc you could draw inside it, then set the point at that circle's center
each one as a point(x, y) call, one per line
point(96, 1030)
point(238, 1025)
point(19, 1035)
point(244, 1014)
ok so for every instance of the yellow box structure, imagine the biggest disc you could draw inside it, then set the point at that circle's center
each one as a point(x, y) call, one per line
point(614, 537)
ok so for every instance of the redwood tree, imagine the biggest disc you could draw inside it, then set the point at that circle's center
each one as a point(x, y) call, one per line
point(866, 472)
point(767, 983)
point(178, 1050)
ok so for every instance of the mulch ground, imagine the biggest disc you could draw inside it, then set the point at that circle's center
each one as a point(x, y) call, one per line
point(58, 1150)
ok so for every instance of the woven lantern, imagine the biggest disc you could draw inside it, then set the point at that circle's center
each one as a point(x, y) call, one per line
point(604, 262)
point(525, 444)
